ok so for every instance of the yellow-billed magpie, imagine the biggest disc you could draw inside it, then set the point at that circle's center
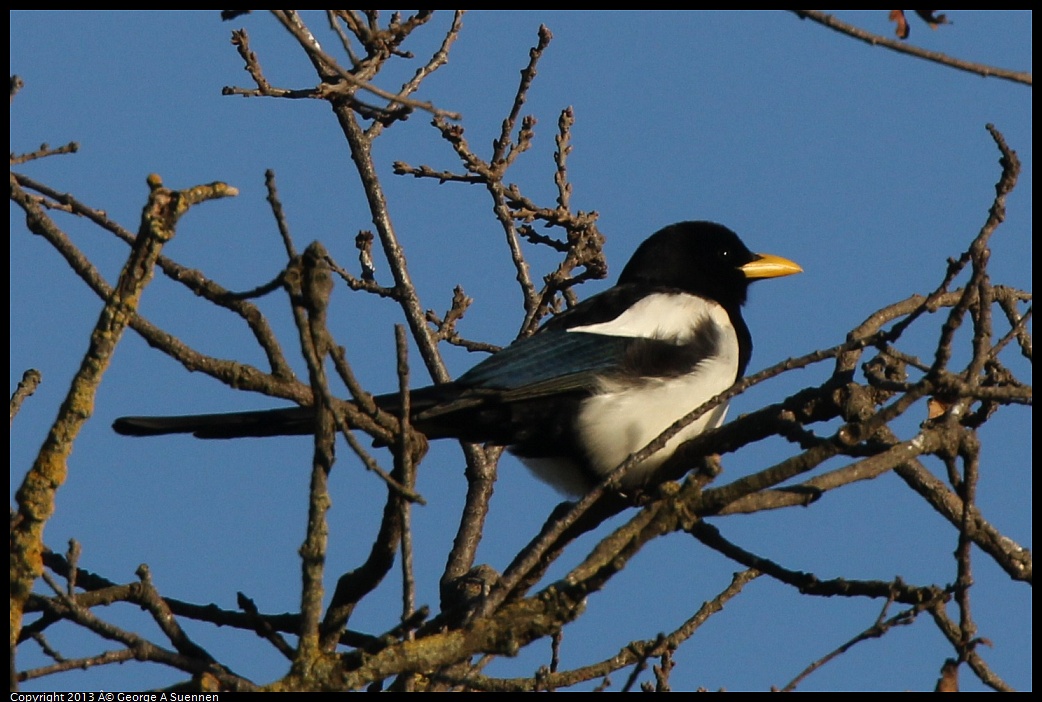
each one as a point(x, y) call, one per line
point(593, 384)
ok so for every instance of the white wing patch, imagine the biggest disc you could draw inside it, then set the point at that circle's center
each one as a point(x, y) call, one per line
point(666, 316)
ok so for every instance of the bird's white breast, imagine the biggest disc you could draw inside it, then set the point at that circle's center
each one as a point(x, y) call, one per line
point(627, 415)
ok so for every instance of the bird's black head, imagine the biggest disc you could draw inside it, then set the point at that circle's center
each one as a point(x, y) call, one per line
point(703, 258)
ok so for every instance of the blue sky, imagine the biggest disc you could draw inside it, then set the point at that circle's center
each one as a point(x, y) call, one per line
point(867, 167)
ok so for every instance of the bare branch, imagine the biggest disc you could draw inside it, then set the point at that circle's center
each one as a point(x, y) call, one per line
point(831, 22)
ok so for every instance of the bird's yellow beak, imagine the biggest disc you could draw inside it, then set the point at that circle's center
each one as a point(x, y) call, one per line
point(770, 266)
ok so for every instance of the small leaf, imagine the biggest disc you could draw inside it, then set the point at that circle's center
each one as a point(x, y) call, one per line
point(898, 16)
point(935, 408)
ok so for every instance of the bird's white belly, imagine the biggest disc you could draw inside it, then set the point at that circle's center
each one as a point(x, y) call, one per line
point(616, 424)
point(624, 416)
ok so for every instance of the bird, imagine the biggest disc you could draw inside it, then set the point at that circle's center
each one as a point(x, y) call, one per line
point(593, 384)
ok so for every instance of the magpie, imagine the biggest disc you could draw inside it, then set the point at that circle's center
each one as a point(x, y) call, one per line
point(594, 383)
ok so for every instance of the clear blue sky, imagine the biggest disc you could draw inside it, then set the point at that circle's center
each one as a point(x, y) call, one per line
point(867, 167)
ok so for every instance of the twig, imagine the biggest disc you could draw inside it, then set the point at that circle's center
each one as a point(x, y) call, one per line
point(831, 22)
point(65, 607)
point(264, 628)
point(877, 630)
point(977, 664)
point(319, 57)
point(43, 152)
point(810, 584)
point(279, 213)
point(192, 279)
point(437, 60)
point(36, 495)
point(26, 387)
point(405, 469)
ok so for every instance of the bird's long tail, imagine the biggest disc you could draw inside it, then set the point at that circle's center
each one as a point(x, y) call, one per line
point(285, 421)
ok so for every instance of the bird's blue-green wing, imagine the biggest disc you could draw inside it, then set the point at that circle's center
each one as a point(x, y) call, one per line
point(550, 361)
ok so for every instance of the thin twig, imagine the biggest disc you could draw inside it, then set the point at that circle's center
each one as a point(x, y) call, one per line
point(26, 387)
point(980, 69)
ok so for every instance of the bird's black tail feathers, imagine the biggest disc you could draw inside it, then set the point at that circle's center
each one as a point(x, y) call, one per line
point(284, 421)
